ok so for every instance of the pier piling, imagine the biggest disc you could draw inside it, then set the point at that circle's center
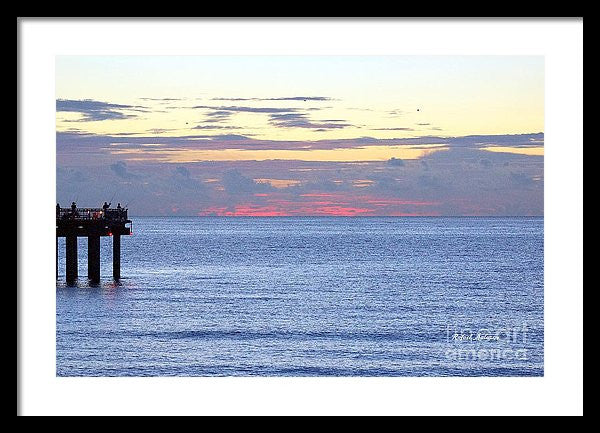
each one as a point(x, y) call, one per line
point(92, 223)
point(116, 256)
point(94, 258)
point(71, 258)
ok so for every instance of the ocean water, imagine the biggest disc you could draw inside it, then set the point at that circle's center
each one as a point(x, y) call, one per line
point(319, 296)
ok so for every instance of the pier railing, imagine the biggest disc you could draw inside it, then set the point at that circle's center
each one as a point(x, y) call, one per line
point(87, 214)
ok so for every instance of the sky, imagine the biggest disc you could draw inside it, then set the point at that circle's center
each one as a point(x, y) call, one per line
point(302, 136)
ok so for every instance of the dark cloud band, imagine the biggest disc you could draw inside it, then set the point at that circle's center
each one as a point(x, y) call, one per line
point(94, 111)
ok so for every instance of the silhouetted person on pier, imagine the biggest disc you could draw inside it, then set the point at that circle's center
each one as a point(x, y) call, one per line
point(73, 210)
point(105, 206)
point(57, 210)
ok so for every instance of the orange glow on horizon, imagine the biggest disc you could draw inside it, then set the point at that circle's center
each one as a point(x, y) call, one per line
point(324, 204)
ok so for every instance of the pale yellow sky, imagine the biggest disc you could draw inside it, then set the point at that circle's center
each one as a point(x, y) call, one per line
point(380, 97)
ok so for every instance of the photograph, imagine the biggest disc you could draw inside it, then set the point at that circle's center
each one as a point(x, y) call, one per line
point(300, 216)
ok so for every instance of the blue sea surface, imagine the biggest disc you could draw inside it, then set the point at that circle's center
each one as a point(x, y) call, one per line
point(324, 296)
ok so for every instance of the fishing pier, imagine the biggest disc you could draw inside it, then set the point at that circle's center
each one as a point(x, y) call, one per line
point(74, 222)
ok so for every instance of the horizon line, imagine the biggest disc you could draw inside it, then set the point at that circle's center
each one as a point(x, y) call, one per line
point(337, 216)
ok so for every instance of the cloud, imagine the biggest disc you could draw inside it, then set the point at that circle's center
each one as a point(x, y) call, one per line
point(285, 98)
point(236, 183)
point(521, 179)
point(155, 131)
point(149, 146)
point(161, 99)
point(431, 128)
point(521, 140)
point(181, 170)
point(279, 117)
point(301, 120)
point(71, 176)
point(455, 183)
point(120, 169)
point(429, 181)
point(93, 111)
point(219, 115)
point(208, 126)
point(182, 178)
point(394, 113)
point(485, 162)
point(242, 109)
point(234, 137)
point(392, 129)
point(395, 162)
